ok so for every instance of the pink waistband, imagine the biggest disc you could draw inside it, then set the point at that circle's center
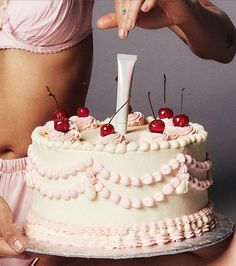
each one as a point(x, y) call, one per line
point(45, 26)
point(12, 166)
point(13, 187)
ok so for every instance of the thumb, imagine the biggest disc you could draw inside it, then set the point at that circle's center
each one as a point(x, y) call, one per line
point(8, 231)
point(107, 21)
point(13, 237)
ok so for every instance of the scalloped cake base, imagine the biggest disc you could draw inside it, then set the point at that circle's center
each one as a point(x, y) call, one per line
point(223, 229)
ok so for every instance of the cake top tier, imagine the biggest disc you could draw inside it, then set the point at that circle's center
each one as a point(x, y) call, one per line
point(84, 134)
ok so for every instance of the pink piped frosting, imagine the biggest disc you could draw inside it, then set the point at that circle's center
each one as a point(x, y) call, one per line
point(168, 122)
point(95, 173)
point(175, 132)
point(84, 123)
point(152, 137)
point(153, 233)
point(135, 119)
point(115, 138)
point(72, 135)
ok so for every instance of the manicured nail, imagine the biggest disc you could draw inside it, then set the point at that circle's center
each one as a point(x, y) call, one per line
point(129, 24)
point(121, 33)
point(145, 7)
point(18, 245)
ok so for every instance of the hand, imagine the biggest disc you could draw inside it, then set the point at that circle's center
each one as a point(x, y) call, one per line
point(12, 243)
point(150, 14)
point(191, 20)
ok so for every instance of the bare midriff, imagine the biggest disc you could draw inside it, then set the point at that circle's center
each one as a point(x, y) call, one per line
point(24, 100)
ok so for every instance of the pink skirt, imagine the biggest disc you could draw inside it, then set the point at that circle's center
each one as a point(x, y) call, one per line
point(13, 189)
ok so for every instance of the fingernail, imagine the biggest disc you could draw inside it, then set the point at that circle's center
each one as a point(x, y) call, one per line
point(121, 33)
point(129, 24)
point(18, 245)
point(145, 7)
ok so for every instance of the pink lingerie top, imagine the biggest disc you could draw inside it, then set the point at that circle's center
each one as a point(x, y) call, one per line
point(44, 26)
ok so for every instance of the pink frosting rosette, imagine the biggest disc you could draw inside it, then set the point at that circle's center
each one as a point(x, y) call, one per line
point(175, 132)
point(115, 138)
point(135, 119)
point(84, 123)
point(152, 137)
point(168, 122)
point(72, 135)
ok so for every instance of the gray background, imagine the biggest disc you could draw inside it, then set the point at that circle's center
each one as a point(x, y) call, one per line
point(209, 99)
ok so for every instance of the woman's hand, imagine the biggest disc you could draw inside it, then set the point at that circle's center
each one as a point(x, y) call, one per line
point(11, 241)
point(150, 14)
point(205, 28)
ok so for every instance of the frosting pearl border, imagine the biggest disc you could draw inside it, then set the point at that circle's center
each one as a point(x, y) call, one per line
point(112, 148)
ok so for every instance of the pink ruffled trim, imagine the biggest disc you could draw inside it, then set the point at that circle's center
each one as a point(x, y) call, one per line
point(154, 233)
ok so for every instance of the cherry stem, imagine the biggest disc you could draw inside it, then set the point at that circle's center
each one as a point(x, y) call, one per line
point(150, 103)
point(54, 97)
point(118, 110)
point(165, 90)
point(182, 99)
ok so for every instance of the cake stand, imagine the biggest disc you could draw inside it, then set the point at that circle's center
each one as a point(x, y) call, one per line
point(223, 229)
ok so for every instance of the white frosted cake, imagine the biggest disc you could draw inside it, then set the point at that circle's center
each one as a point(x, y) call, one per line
point(116, 191)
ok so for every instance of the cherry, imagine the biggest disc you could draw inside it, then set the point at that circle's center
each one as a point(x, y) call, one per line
point(61, 124)
point(60, 113)
point(157, 126)
point(106, 129)
point(180, 120)
point(82, 111)
point(165, 112)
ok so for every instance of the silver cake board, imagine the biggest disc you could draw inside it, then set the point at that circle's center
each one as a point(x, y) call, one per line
point(223, 229)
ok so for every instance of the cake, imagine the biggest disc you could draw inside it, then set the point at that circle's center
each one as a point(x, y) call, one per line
point(126, 182)
point(118, 191)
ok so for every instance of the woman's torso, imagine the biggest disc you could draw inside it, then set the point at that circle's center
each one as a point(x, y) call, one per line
point(24, 101)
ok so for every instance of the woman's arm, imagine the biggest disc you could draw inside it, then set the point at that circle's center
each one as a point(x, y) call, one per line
point(208, 32)
point(204, 27)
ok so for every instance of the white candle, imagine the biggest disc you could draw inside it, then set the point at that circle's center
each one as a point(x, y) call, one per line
point(126, 65)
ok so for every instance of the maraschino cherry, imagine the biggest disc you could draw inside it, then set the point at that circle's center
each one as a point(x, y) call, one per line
point(165, 112)
point(108, 129)
point(61, 125)
point(181, 120)
point(156, 125)
point(60, 117)
point(82, 111)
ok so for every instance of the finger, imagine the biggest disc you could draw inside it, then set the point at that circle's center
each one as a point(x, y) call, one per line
point(8, 231)
point(154, 19)
point(5, 249)
point(107, 21)
point(13, 237)
point(121, 7)
point(133, 7)
point(148, 5)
